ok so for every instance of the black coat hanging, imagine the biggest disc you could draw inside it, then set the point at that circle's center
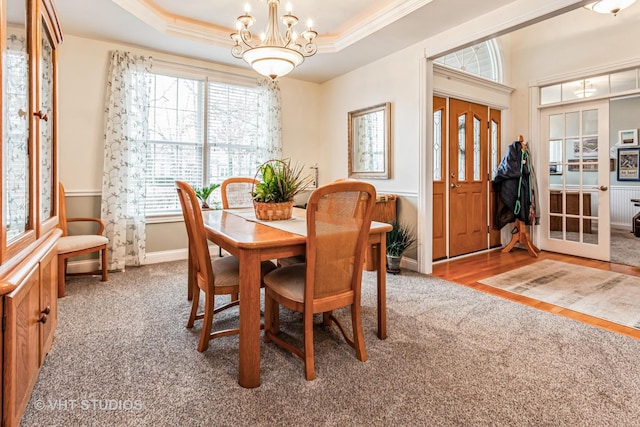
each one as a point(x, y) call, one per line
point(516, 188)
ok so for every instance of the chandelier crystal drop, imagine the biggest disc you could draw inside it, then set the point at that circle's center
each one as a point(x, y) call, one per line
point(273, 55)
point(609, 6)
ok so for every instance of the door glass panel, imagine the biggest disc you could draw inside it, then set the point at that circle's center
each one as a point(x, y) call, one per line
point(568, 204)
point(555, 126)
point(437, 145)
point(589, 148)
point(462, 147)
point(590, 122)
point(15, 179)
point(592, 236)
point(46, 131)
point(476, 149)
point(555, 160)
point(572, 148)
point(572, 126)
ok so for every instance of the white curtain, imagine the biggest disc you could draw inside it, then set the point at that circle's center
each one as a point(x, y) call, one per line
point(125, 155)
point(269, 118)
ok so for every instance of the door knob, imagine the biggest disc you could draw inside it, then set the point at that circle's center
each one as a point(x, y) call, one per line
point(453, 185)
point(603, 188)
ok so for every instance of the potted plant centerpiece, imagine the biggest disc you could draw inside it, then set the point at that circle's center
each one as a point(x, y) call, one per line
point(203, 193)
point(399, 239)
point(279, 182)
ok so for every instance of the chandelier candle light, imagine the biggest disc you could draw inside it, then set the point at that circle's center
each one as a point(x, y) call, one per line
point(275, 55)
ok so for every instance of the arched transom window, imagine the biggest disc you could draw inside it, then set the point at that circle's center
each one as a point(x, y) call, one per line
point(482, 59)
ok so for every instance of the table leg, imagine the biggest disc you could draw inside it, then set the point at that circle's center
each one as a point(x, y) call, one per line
point(249, 347)
point(381, 266)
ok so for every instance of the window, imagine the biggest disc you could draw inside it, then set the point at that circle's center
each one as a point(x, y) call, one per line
point(482, 59)
point(200, 131)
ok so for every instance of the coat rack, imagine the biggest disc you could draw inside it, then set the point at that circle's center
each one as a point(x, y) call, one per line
point(520, 233)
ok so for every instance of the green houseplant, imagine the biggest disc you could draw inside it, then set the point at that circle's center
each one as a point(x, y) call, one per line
point(203, 193)
point(399, 239)
point(279, 182)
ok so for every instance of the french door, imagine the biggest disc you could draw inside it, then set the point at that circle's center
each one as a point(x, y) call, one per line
point(574, 179)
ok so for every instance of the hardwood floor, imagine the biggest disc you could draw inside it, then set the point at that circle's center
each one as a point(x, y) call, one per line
point(468, 270)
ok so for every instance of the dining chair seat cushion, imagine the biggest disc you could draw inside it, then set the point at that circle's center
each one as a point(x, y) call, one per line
point(288, 281)
point(226, 270)
point(68, 244)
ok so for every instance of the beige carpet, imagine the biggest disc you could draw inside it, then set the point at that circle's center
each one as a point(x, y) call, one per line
point(604, 294)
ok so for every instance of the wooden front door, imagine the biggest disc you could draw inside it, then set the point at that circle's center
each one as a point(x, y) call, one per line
point(468, 177)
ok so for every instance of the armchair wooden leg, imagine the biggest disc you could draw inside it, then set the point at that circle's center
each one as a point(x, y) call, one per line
point(62, 267)
point(105, 258)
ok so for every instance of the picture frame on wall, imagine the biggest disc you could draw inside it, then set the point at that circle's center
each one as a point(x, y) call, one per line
point(628, 159)
point(628, 137)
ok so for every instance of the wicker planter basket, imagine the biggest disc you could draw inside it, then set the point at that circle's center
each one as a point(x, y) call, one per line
point(273, 211)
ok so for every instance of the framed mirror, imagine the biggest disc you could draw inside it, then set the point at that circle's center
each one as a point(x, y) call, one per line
point(369, 142)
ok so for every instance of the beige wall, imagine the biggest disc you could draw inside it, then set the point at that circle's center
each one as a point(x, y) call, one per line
point(315, 116)
point(83, 65)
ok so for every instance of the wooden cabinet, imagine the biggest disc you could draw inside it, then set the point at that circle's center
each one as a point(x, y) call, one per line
point(30, 36)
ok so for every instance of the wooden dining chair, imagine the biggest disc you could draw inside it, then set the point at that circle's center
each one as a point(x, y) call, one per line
point(236, 193)
point(219, 276)
point(338, 222)
point(70, 246)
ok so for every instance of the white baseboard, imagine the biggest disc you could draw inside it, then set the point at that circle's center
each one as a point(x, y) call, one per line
point(85, 266)
point(180, 254)
point(409, 264)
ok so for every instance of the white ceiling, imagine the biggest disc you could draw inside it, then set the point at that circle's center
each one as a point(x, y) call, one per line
point(352, 33)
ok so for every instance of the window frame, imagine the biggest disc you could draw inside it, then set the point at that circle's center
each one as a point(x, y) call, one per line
point(205, 76)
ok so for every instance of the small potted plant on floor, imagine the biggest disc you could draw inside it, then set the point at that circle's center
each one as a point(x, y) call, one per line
point(203, 193)
point(399, 239)
point(279, 183)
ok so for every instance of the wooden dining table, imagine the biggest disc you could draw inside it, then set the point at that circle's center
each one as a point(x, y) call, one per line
point(252, 241)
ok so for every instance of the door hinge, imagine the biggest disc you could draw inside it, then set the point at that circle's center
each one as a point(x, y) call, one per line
point(4, 322)
point(488, 229)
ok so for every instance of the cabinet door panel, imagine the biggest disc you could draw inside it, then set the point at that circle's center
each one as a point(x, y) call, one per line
point(22, 341)
point(16, 161)
point(45, 126)
point(49, 303)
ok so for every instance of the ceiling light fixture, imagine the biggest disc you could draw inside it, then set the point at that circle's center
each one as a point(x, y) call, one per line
point(609, 6)
point(274, 55)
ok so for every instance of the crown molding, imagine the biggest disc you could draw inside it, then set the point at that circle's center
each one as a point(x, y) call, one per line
point(352, 32)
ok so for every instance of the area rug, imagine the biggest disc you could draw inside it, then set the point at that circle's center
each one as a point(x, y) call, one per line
point(599, 293)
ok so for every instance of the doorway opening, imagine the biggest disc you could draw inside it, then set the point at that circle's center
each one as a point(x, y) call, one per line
point(466, 153)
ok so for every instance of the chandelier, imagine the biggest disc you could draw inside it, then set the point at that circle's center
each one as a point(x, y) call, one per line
point(274, 55)
point(609, 6)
